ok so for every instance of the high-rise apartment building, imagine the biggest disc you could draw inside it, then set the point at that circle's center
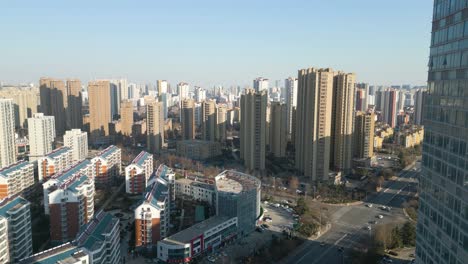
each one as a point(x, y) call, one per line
point(54, 102)
point(74, 104)
point(390, 97)
point(7, 133)
point(278, 129)
point(313, 122)
point(188, 119)
point(25, 101)
point(418, 106)
point(290, 85)
point(16, 179)
point(183, 90)
point(69, 201)
point(155, 126)
point(253, 129)
point(99, 109)
point(126, 117)
point(115, 99)
point(16, 212)
point(77, 141)
point(138, 173)
point(54, 162)
point(208, 112)
point(107, 166)
point(221, 119)
point(364, 135)
point(200, 95)
point(261, 84)
point(360, 100)
point(342, 122)
point(442, 233)
point(162, 87)
point(41, 134)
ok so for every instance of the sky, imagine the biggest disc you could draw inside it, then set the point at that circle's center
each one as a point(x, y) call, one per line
point(207, 43)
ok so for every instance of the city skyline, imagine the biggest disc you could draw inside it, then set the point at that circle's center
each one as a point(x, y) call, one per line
point(209, 43)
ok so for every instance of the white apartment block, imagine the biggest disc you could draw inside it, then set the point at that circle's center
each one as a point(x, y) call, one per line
point(16, 211)
point(16, 179)
point(138, 173)
point(65, 253)
point(183, 90)
point(196, 190)
point(7, 133)
point(41, 131)
point(77, 140)
point(54, 162)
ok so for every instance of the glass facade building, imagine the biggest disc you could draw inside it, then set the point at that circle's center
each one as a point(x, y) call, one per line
point(442, 229)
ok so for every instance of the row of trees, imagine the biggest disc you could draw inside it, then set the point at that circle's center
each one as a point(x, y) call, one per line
point(395, 237)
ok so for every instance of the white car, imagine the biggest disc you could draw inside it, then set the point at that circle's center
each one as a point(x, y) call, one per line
point(369, 205)
point(380, 216)
point(368, 228)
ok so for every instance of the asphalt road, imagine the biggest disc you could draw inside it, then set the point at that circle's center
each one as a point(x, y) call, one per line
point(349, 223)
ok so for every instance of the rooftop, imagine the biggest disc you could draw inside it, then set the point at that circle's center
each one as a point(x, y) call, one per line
point(57, 152)
point(236, 182)
point(196, 183)
point(11, 203)
point(16, 166)
point(71, 171)
point(94, 233)
point(157, 192)
point(108, 151)
point(196, 230)
point(54, 255)
point(141, 158)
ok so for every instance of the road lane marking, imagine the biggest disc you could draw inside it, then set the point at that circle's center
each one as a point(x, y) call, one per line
point(325, 252)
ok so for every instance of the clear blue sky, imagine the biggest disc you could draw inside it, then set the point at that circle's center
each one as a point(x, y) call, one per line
point(214, 42)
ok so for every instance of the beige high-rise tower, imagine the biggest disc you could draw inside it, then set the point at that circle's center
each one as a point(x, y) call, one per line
point(221, 119)
point(364, 135)
point(74, 101)
point(208, 122)
point(188, 119)
point(313, 122)
point(25, 102)
point(342, 125)
point(7, 133)
point(54, 102)
point(253, 129)
point(99, 108)
point(126, 117)
point(155, 126)
point(278, 129)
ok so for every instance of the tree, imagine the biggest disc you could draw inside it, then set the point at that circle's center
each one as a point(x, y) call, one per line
point(387, 173)
point(396, 238)
point(301, 207)
point(408, 234)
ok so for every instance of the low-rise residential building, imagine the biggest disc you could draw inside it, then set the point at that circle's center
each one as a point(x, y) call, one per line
point(98, 243)
point(107, 165)
point(198, 149)
point(138, 173)
point(16, 178)
point(63, 254)
point(54, 162)
point(100, 238)
point(409, 137)
point(152, 215)
point(198, 239)
point(16, 213)
point(196, 190)
point(69, 200)
point(382, 132)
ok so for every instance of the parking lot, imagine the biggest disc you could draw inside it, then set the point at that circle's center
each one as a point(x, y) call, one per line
point(281, 218)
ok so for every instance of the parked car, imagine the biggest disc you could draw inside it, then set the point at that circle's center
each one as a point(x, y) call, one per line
point(380, 216)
